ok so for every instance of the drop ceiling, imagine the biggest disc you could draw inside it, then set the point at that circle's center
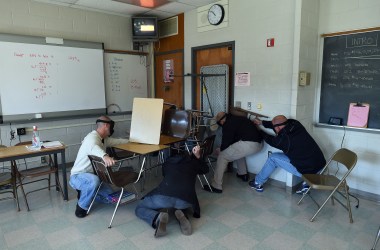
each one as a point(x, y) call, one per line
point(159, 8)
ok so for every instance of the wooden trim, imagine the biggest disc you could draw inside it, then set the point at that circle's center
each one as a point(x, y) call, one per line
point(126, 52)
point(350, 32)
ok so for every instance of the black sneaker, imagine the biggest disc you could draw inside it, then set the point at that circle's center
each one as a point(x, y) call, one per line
point(80, 212)
point(254, 185)
point(213, 190)
point(304, 188)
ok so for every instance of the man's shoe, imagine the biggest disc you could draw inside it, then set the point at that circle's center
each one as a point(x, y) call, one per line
point(244, 177)
point(160, 223)
point(80, 212)
point(213, 190)
point(184, 223)
point(304, 188)
point(254, 185)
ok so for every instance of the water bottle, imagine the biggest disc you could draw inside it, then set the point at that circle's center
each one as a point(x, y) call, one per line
point(36, 138)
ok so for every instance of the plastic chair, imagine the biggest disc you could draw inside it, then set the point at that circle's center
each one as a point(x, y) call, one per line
point(35, 173)
point(118, 179)
point(329, 182)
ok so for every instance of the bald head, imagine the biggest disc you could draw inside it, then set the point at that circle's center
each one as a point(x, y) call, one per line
point(279, 119)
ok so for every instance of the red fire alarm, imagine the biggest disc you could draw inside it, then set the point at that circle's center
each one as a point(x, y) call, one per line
point(270, 42)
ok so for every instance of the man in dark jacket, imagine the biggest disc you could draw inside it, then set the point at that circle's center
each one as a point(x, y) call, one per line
point(240, 138)
point(176, 190)
point(301, 154)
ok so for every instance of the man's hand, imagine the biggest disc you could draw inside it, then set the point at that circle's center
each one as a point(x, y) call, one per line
point(197, 151)
point(257, 121)
point(109, 161)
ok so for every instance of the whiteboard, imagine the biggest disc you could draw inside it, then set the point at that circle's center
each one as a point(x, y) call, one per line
point(126, 78)
point(45, 79)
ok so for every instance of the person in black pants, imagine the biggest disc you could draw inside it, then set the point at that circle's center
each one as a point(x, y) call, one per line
point(176, 190)
point(301, 154)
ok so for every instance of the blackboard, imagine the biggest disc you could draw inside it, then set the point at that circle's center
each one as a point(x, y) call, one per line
point(350, 74)
point(125, 79)
point(48, 78)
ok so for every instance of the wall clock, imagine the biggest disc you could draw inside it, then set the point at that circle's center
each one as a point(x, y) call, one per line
point(215, 14)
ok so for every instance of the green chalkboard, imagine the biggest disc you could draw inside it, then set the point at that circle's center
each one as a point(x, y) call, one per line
point(350, 73)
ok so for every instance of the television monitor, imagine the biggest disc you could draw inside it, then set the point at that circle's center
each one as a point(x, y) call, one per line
point(144, 29)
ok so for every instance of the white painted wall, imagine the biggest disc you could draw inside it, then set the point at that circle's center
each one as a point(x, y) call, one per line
point(296, 26)
point(25, 17)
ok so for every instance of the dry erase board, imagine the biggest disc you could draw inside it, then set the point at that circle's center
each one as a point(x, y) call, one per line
point(126, 78)
point(48, 80)
point(351, 74)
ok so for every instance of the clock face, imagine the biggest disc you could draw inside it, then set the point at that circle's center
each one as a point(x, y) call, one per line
point(215, 14)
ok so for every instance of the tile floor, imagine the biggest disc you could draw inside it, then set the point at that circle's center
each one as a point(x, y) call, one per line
point(240, 218)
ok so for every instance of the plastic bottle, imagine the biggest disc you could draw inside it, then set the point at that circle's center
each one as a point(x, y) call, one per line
point(36, 138)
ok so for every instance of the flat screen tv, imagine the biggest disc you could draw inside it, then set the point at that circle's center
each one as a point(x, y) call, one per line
point(144, 29)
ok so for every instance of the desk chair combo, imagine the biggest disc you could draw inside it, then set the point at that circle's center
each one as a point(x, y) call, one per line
point(330, 182)
point(376, 240)
point(120, 179)
point(8, 184)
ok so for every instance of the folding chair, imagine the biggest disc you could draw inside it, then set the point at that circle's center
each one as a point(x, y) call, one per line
point(376, 240)
point(8, 184)
point(36, 173)
point(118, 179)
point(330, 182)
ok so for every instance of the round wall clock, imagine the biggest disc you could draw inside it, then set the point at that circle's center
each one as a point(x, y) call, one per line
point(215, 14)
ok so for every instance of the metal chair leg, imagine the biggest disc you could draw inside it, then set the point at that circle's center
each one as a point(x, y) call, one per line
point(376, 240)
point(117, 206)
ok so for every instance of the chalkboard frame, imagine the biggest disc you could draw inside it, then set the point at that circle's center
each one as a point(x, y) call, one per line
point(48, 116)
point(322, 118)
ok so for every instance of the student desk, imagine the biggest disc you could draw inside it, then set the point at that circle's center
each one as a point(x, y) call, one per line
point(21, 152)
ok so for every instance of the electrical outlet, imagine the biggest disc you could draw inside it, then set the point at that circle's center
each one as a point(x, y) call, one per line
point(21, 131)
point(12, 133)
point(43, 159)
point(249, 105)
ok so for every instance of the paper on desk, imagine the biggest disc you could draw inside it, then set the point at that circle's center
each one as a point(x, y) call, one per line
point(52, 144)
point(32, 148)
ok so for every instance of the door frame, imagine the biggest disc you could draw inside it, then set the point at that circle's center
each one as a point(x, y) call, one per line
point(194, 51)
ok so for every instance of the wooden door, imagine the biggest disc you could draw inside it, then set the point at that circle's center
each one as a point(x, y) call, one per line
point(171, 92)
point(212, 55)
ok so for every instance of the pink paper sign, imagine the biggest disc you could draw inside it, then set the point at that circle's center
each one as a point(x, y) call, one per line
point(358, 115)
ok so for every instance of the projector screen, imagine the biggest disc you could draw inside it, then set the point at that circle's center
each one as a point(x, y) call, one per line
point(50, 80)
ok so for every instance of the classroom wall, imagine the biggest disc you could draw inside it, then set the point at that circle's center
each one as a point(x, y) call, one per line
point(343, 15)
point(296, 26)
point(26, 17)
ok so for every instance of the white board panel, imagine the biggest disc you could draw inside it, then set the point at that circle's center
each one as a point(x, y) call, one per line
point(126, 78)
point(41, 78)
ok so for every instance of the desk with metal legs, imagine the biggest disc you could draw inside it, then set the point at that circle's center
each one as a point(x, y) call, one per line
point(21, 152)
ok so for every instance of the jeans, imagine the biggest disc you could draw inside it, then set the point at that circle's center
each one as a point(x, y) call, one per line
point(88, 183)
point(275, 160)
point(147, 208)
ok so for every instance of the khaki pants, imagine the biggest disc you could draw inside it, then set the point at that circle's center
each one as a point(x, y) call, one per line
point(235, 152)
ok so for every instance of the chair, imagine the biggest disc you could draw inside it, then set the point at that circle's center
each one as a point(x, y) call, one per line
point(8, 184)
point(329, 182)
point(118, 179)
point(32, 173)
point(376, 240)
point(207, 147)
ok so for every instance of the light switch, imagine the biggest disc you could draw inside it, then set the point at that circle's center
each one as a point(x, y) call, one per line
point(304, 78)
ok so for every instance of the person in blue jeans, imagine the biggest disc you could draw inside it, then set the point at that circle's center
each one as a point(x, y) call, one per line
point(176, 191)
point(82, 176)
point(300, 153)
